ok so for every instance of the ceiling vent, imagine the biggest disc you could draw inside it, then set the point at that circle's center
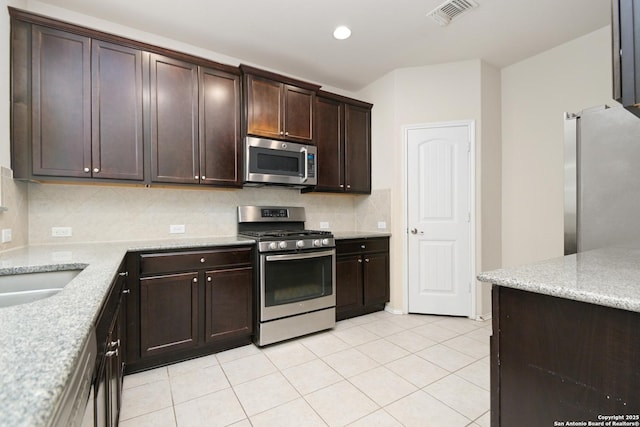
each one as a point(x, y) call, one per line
point(450, 10)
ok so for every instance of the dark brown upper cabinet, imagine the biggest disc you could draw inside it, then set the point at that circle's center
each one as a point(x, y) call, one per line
point(343, 137)
point(61, 100)
point(87, 104)
point(117, 144)
point(195, 124)
point(220, 142)
point(626, 53)
point(174, 121)
point(278, 107)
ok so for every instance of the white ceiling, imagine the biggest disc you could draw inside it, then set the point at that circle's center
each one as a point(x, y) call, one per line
point(295, 36)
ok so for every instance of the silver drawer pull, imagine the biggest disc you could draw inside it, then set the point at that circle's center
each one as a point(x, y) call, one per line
point(202, 260)
point(195, 280)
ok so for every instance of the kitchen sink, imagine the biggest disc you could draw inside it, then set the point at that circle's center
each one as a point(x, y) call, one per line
point(27, 287)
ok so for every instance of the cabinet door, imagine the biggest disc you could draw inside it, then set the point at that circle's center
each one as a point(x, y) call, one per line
point(220, 145)
point(348, 285)
point(113, 373)
point(358, 149)
point(328, 138)
point(168, 313)
point(264, 107)
point(376, 278)
point(61, 103)
point(117, 151)
point(174, 120)
point(228, 306)
point(298, 114)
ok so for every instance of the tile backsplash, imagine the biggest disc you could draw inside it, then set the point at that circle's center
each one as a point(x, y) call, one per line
point(98, 213)
point(14, 212)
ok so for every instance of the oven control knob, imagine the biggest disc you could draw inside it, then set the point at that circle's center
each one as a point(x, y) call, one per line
point(300, 243)
point(273, 245)
point(325, 242)
point(317, 242)
point(282, 245)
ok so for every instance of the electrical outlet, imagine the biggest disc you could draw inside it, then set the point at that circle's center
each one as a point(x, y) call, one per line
point(324, 224)
point(61, 231)
point(177, 228)
point(6, 235)
point(382, 225)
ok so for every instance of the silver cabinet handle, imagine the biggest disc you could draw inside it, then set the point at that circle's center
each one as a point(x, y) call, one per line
point(123, 274)
point(195, 280)
point(209, 279)
point(366, 260)
point(414, 231)
point(204, 177)
point(96, 170)
point(202, 260)
point(359, 259)
point(126, 291)
point(196, 177)
point(111, 353)
point(87, 170)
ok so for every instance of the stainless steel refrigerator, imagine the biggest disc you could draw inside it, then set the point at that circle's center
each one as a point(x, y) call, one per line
point(602, 179)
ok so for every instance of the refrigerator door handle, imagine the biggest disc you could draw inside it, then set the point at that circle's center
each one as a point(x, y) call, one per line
point(570, 183)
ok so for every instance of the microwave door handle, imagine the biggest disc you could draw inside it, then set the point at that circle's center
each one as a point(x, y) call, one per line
point(306, 165)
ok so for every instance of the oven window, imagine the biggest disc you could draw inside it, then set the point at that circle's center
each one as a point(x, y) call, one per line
point(295, 280)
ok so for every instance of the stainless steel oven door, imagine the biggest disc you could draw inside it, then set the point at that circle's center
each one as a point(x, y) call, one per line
point(296, 283)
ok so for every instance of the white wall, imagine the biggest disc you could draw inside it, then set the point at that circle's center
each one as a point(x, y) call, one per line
point(535, 93)
point(440, 93)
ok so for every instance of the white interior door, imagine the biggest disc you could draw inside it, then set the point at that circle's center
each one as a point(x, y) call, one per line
point(439, 219)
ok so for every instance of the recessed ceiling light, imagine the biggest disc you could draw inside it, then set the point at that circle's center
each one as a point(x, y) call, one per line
point(342, 32)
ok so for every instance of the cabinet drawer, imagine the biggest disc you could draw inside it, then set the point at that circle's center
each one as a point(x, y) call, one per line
point(362, 245)
point(193, 260)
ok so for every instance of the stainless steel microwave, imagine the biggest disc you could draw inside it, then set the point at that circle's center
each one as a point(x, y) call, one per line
point(269, 161)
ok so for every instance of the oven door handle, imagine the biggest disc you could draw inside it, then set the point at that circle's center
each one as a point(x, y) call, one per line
point(306, 163)
point(300, 256)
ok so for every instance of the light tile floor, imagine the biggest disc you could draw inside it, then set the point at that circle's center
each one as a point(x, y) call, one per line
point(375, 370)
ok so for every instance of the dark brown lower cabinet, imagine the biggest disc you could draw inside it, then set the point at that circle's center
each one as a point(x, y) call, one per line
point(188, 303)
point(555, 360)
point(110, 363)
point(362, 276)
point(168, 313)
point(226, 320)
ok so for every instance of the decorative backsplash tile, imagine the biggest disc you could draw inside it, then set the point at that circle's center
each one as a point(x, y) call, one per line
point(14, 214)
point(116, 213)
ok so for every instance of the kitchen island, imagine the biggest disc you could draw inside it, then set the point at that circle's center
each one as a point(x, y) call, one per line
point(565, 348)
point(42, 340)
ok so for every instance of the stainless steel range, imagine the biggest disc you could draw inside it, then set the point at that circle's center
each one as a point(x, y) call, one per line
point(296, 273)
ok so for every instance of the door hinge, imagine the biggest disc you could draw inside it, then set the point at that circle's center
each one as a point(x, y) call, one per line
point(469, 287)
point(468, 216)
point(468, 146)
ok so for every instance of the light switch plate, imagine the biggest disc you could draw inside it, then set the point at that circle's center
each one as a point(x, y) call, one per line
point(324, 224)
point(6, 235)
point(382, 225)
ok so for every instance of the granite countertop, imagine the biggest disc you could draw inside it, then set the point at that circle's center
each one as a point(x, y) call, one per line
point(41, 340)
point(359, 234)
point(608, 277)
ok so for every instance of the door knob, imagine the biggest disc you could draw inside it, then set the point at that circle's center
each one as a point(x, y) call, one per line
point(414, 231)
